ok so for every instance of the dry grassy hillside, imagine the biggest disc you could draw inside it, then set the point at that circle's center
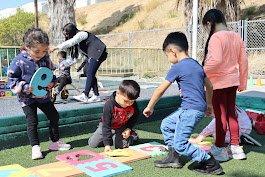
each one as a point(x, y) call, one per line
point(131, 15)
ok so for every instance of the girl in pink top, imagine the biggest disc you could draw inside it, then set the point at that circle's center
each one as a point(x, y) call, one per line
point(225, 64)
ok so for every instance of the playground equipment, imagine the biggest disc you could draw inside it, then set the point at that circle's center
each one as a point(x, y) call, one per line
point(5, 90)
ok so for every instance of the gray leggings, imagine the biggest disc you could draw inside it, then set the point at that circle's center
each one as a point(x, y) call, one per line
point(96, 140)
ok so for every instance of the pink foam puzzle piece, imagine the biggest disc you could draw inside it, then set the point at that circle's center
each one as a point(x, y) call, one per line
point(15, 170)
point(57, 169)
point(74, 158)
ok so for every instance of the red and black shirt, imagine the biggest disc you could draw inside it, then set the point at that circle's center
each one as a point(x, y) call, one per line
point(116, 117)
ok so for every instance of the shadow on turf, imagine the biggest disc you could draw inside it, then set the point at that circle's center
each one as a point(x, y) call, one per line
point(84, 142)
point(79, 143)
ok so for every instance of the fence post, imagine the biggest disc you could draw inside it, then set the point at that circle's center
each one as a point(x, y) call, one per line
point(245, 32)
point(130, 51)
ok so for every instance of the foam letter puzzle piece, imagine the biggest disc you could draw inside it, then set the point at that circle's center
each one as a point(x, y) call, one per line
point(152, 148)
point(40, 80)
point(57, 169)
point(15, 170)
point(125, 155)
point(104, 167)
point(74, 158)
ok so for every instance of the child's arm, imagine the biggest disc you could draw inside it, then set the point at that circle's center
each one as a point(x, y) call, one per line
point(148, 111)
point(243, 68)
point(131, 122)
point(80, 36)
point(15, 82)
point(82, 65)
point(209, 96)
point(106, 128)
point(209, 129)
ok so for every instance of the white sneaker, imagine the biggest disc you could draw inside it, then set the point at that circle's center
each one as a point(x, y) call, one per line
point(36, 152)
point(237, 152)
point(59, 146)
point(81, 97)
point(94, 98)
point(220, 153)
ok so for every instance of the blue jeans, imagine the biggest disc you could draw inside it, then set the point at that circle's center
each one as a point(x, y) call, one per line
point(177, 128)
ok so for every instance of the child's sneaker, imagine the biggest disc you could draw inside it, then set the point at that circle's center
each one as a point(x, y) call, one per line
point(220, 153)
point(81, 97)
point(94, 98)
point(210, 166)
point(171, 161)
point(59, 146)
point(237, 152)
point(36, 152)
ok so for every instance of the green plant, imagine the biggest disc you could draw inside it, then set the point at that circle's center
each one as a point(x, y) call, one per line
point(13, 28)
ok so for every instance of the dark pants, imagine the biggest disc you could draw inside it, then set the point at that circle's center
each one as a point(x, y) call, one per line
point(96, 140)
point(32, 121)
point(225, 115)
point(91, 69)
point(63, 81)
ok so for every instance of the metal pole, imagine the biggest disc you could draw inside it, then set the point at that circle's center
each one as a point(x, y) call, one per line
point(194, 28)
point(36, 14)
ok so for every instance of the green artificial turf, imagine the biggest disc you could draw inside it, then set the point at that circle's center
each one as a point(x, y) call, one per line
point(252, 167)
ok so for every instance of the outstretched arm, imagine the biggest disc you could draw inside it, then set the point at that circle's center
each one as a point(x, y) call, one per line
point(80, 36)
point(148, 111)
point(209, 96)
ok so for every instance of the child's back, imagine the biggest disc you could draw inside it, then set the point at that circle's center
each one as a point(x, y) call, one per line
point(190, 78)
point(226, 60)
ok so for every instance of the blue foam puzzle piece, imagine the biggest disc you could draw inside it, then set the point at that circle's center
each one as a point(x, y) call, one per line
point(103, 168)
point(41, 79)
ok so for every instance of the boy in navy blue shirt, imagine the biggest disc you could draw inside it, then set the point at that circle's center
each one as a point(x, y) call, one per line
point(177, 127)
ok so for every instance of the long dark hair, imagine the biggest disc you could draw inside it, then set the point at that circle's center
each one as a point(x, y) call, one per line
point(213, 16)
point(69, 31)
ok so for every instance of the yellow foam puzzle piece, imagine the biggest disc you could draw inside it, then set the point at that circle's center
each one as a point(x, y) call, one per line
point(118, 153)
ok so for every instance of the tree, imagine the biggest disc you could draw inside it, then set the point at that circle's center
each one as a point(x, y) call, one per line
point(13, 28)
point(231, 8)
point(60, 12)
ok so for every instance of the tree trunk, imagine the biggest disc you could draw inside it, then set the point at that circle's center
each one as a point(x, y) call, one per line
point(230, 8)
point(60, 12)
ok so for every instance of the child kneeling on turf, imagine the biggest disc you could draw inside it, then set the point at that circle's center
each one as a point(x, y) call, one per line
point(244, 123)
point(120, 114)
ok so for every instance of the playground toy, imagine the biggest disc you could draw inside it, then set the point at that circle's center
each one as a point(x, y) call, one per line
point(5, 90)
point(40, 80)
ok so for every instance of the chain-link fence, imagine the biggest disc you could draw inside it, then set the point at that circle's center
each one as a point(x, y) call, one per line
point(139, 53)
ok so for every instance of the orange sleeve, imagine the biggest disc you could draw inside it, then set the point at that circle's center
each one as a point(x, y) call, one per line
point(243, 67)
point(214, 57)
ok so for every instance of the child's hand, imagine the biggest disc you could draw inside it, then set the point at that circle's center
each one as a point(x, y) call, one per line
point(52, 49)
point(148, 112)
point(50, 86)
point(241, 89)
point(126, 133)
point(29, 90)
point(107, 149)
point(197, 140)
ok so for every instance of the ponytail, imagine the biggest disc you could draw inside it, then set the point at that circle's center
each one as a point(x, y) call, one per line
point(207, 43)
